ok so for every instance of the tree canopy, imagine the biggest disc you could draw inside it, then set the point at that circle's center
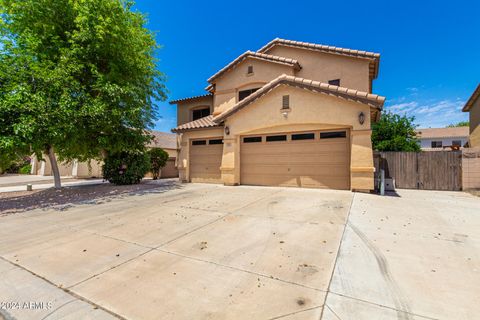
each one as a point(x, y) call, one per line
point(394, 132)
point(459, 124)
point(76, 76)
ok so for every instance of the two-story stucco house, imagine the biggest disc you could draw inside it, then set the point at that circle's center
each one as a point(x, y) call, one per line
point(289, 114)
point(473, 108)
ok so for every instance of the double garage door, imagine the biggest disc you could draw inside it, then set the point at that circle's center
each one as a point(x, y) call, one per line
point(315, 159)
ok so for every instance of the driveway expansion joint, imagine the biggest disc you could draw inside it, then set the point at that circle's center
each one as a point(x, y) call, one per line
point(294, 313)
point(66, 290)
point(382, 306)
point(338, 252)
point(241, 270)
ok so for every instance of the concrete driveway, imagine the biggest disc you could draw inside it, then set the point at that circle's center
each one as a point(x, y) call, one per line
point(211, 252)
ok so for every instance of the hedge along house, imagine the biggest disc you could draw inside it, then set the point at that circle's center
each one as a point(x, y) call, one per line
point(290, 114)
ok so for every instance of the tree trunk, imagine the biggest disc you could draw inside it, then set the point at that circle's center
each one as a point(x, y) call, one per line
point(55, 171)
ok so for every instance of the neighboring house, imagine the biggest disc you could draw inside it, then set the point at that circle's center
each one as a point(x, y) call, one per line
point(290, 114)
point(164, 140)
point(167, 142)
point(473, 108)
point(435, 139)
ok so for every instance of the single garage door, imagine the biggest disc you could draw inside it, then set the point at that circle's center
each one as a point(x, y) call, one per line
point(316, 159)
point(205, 160)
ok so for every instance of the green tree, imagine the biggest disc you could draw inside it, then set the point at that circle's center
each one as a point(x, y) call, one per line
point(459, 124)
point(158, 160)
point(394, 133)
point(78, 78)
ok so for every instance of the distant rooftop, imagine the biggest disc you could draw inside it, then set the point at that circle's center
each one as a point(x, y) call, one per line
point(428, 133)
point(163, 140)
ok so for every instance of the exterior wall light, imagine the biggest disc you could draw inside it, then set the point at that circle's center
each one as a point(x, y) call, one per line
point(361, 118)
point(285, 114)
point(227, 130)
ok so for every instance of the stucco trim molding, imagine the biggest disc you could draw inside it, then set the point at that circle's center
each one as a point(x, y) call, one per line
point(372, 100)
point(360, 132)
point(372, 56)
point(362, 169)
point(258, 56)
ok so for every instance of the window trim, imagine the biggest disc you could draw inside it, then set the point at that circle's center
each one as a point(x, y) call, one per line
point(303, 136)
point(252, 91)
point(341, 134)
point(253, 139)
point(216, 140)
point(205, 107)
point(201, 142)
point(281, 136)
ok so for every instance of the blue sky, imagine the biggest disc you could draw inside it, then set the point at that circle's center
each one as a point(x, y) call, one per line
point(430, 61)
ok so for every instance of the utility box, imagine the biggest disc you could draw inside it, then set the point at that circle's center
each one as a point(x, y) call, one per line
point(389, 184)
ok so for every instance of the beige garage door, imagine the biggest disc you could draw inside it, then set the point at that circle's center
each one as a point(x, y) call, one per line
point(205, 160)
point(317, 159)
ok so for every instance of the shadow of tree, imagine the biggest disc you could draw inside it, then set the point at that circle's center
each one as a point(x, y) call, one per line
point(68, 197)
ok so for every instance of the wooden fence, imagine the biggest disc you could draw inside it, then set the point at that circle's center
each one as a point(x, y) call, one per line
point(434, 170)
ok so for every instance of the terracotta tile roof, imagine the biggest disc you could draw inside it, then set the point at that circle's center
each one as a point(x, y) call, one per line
point(163, 140)
point(473, 98)
point(372, 100)
point(429, 133)
point(203, 123)
point(191, 98)
point(259, 56)
point(375, 57)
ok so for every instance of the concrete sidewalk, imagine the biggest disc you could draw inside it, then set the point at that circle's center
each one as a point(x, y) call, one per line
point(12, 183)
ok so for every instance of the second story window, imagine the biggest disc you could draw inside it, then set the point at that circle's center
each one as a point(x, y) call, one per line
point(436, 144)
point(245, 93)
point(334, 82)
point(250, 70)
point(200, 113)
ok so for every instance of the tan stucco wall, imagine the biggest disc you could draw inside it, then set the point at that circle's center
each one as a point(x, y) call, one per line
point(352, 72)
point(474, 119)
point(237, 79)
point(309, 111)
point(184, 152)
point(184, 109)
point(88, 169)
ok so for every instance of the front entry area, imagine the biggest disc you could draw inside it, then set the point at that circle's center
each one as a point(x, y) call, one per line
point(314, 159)
point(205, 160)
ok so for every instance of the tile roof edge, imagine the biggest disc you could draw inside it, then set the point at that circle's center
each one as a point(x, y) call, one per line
point(376, 100)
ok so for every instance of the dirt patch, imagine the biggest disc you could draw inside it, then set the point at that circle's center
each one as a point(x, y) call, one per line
point(474, 192)
point(62, 199)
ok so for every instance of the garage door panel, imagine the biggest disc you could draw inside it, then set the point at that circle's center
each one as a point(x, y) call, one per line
point(309, 159)
point(320, 163)
point(324, 170)
point(298, 181)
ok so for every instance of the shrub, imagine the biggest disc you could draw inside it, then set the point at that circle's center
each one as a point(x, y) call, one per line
point(158, 160)
point(126, 167)
point(26, 169)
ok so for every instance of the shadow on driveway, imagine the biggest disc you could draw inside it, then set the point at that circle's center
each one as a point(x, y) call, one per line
point(62, 199)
